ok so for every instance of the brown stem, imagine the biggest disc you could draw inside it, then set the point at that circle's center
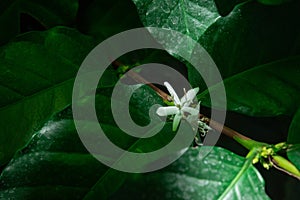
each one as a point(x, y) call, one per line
point(221, 128)
point(226, 130)
point(140, 79)
point(215, 125)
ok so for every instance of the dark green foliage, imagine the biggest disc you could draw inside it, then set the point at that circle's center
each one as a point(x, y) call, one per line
point(255, 44)
point(37, 75)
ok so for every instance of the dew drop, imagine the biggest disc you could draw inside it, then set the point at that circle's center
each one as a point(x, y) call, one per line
point(222, 157)
point(229, 158)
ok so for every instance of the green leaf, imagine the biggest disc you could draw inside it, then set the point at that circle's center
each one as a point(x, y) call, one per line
point(141, 101)
point(57, 149)
point(264, 91)
point(51, 13)
point(220, 175)
point(251, 35)
point(191, 17)
point(65, 42)
point(36, 80)
point(294, 130)
point(244, 39)
point(294, 138)
point(294, 155)
point(9, 20)
point(241, 40)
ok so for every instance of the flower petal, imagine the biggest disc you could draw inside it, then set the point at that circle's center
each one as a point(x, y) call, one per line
point(176, 121)
point(189, 96)
point(190, 110)
point(164, 111)
point(172, 93)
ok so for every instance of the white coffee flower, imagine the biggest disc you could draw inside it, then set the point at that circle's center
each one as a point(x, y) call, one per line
point(182, 106)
